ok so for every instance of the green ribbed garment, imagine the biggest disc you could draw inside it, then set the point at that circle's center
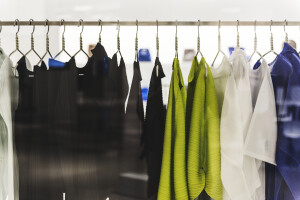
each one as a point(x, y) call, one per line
point(213, 183)
point(173, 180)
point(195, 126)
point(203, 130)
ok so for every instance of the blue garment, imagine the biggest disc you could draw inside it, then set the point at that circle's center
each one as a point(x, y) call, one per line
point(55, 63)
point(283, 180)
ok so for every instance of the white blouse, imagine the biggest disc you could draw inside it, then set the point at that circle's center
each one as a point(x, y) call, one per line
point(260, 143)
point(247, 127)
point(8, 103)
point(233, 96)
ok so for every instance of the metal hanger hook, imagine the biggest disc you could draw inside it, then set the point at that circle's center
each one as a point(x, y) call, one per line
point(47, 24)
point(219, 27)
point(118, 28)
point(81, 24)
point(100, 24)
point(137, 27)
point(31, 23)
point(157, 27)
point(238, 34)
point(271, 26)
point(0, 28)
point(286, 34)
point(176, 42)
point(176, 29)
point(62, 22)
point(17, 24)
point(285, 24)
point(198, 28)
point(255, 26)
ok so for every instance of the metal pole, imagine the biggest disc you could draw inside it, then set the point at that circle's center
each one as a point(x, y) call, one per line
point(153, 23)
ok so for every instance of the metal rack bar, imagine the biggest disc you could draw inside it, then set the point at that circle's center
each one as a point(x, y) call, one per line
point(153, 23)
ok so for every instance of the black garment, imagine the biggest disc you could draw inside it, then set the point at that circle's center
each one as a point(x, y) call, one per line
point(118, 89)
point(135, 109)
point(153, 137)
point(134, 125)
point(93, 141)
point(62, 118)
point(46, 171)
point(24, 128)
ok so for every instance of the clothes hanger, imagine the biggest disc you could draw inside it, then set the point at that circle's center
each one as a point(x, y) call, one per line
point(100, 24)
point(47, 43)
point(237, 34)
point(63, 41)
point(17, 49)
point(198, 41)
point(17, 46)
point(255, 44)
point(80, 40)
point(157, 47)
point(136, 43)
point(219, 44)
point(286, 34)
point(176, 43)
point(32, 42)
point(118, 40)
point(271, 43)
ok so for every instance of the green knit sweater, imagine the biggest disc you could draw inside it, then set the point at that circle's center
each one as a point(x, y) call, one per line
point(202, 122)
point(173, 181)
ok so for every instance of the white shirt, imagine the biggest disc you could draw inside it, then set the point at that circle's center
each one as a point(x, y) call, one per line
point(8, 103)
point(260, 143)
point(233, 96)
point(248, 126)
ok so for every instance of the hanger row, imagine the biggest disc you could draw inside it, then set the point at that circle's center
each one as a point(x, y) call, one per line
point(100, 23)
point(151, 23)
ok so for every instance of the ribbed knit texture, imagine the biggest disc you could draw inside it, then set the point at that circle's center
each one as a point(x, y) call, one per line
point(173, 181)
point(195, 127)
point(213, 183)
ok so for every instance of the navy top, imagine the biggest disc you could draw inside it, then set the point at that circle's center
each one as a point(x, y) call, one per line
point(283, 181)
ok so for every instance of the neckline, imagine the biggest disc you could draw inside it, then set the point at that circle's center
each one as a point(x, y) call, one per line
point(118, 65)
point(224, 69)
point(160, 72)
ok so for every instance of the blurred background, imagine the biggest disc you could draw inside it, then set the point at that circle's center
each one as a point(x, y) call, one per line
point(113, 185)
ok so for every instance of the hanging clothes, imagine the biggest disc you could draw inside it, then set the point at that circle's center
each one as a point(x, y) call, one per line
point(286, 175)
point(24, 120)
point(40, 151)
point(134, 124)
point(281, 70)
point(135, 109)
point(62, 116)
point(195, 128)
point(202, 123)
point(9, 182)
point(212, 167)
point(119, 90)
point(173, 180)
point(92, 139)
point(152, 139)
point(236, 104)
point(260, 143)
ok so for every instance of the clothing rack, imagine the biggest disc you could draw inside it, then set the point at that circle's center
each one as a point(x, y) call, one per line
point(150, 23)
